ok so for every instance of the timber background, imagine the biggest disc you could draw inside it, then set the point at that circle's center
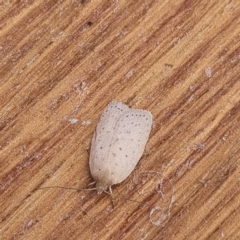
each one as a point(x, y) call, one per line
point(62, 62)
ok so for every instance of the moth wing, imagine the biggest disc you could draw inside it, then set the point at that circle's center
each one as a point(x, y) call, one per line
point(128, 143)
point(102, 138)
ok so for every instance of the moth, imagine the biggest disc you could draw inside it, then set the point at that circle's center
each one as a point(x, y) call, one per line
point(118, 144)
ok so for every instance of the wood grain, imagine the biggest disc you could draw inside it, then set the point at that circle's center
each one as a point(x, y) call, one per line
point(62, 62)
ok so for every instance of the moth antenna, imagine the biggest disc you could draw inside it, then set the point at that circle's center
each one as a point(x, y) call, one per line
point(76, 189)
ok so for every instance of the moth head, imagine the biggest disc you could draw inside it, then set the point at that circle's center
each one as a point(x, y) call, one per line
point(100, 188)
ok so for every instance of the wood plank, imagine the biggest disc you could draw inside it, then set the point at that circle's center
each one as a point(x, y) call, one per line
point(62, 62)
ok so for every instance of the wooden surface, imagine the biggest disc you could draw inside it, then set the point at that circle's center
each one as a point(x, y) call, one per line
point(62, 62)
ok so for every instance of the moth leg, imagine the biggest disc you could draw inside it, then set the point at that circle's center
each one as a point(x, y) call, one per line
point(110, 190)
point(91, 183)
point(111, 193)
point(88, 150)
